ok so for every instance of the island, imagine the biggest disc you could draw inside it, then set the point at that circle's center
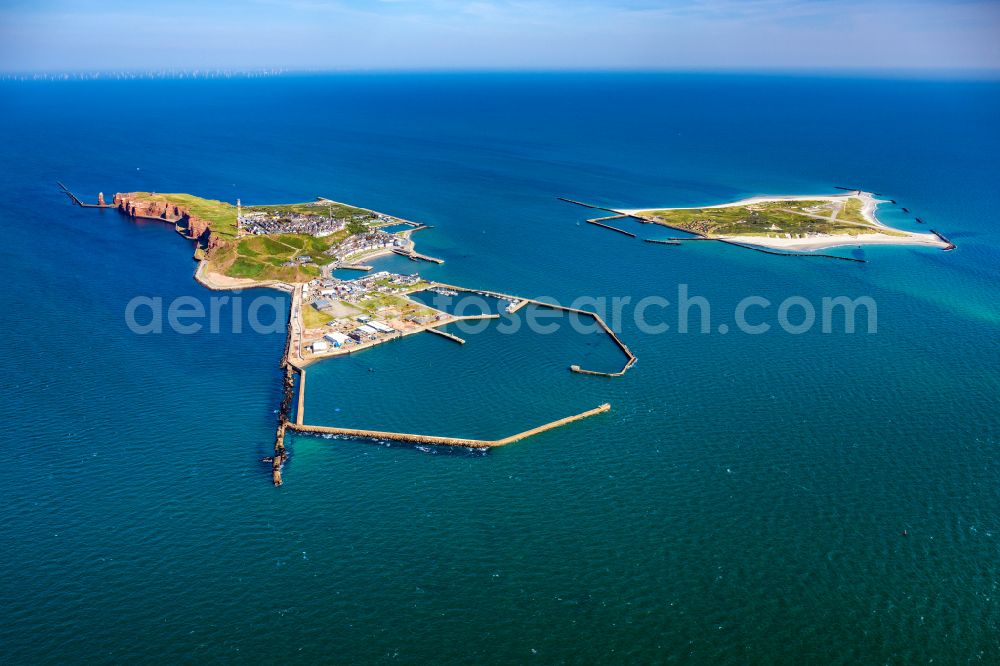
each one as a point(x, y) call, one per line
point(799, 223)
point(298, 248)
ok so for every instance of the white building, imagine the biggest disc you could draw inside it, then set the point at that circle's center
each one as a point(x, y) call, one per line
point(336, 339)
point(320, 346)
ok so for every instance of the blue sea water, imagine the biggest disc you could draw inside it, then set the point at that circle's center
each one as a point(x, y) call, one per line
point(745, 500)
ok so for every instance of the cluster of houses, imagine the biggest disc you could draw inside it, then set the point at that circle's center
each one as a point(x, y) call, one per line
point(321, 223)
point(375, 239)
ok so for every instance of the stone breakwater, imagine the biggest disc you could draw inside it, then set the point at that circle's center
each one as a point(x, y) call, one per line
point(197, 228)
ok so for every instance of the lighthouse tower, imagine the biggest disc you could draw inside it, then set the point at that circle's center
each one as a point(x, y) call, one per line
point(239, 218)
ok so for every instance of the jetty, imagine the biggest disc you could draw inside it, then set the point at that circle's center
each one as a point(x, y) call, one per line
point(608, 226)
point(100, 200)
point(445, 334)
point(592, 206)
point(416, 256)
point(660, 242)
point(446, 441)
point(280, 454)
point(515, 306)
point(354, 267)
point(630, 357)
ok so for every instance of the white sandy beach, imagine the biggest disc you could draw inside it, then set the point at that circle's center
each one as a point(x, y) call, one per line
point(821, 242)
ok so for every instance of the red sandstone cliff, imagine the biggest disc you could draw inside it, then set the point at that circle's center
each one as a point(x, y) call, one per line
point(197, 228)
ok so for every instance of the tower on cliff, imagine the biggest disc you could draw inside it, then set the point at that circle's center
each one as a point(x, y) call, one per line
point(239, 218)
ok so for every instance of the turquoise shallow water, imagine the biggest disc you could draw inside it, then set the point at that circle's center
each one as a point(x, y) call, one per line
point(743, 502)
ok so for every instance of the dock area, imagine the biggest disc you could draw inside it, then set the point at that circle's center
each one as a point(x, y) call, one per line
point(630, 357)
point(447, 441)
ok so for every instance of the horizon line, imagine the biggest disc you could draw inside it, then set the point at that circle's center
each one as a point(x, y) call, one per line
point(936, 73)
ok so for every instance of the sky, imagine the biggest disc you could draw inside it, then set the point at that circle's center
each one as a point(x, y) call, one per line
point(347, 35)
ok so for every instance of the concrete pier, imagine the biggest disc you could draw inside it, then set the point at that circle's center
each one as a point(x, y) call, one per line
point(447, 441)
point(416, 256)
point(631, 358)
point(301, 407)
point(445, 334)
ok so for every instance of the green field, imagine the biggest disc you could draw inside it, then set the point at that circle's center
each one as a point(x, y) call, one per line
point(773, 218)
point(403, 307)
point(219, 214)
point(261, 257)
point(313, 318)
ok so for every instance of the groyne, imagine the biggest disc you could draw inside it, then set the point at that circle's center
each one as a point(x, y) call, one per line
point(446, 441)
point(951, 246)
point(660, 242)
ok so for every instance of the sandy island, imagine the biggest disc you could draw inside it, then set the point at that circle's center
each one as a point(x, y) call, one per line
point(879, 234)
